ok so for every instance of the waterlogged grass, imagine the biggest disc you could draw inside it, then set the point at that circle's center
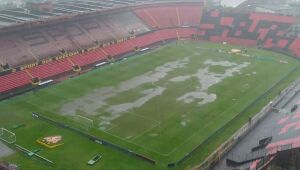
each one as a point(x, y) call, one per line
point(163, 128)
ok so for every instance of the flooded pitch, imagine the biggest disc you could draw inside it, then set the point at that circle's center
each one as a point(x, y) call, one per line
point(5, 151)
point(96, 100)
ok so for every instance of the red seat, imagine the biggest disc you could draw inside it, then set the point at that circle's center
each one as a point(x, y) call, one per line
point(171, 16)
point(14, 80)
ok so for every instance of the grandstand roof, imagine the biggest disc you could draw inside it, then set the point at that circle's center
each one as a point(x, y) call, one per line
point(232, 3)
point(9, 17)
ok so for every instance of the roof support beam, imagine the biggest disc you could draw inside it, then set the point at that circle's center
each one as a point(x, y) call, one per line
point(16, 19)
point(74, 7)
point(22, 13)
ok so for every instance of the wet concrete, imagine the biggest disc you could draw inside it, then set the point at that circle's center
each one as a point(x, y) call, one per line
point(273, 125)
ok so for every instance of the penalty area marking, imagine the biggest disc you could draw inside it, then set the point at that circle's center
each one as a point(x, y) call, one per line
point(7, 136)
point(144, 132)
point(186, 141)
point(144, 117)
point(122, 139)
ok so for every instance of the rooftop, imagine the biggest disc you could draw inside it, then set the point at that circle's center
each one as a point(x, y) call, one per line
point(24, 14)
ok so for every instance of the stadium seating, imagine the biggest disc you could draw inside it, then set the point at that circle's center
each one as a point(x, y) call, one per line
point(51, 69)
point(14, 80)
point(59, 37)
point(26, 46)
point(61, 66)
point(76, 34)
point(170, 16)
point(295, 47)
point(121, 24)
point(120, 48)
point(247, 29)
point(167, 22)
point(89, 57)
point(270, 18)
point(186, 32)
point(146, 39)
point(14, 52)
point(37, 45)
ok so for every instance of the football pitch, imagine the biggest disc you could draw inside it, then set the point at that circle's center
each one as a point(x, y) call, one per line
point(162, 104)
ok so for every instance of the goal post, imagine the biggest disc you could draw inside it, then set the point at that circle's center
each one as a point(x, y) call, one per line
point(84, 122)
point(7, 136)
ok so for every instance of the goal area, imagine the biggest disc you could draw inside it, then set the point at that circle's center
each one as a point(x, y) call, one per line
point(7, 136)
point(83, 122)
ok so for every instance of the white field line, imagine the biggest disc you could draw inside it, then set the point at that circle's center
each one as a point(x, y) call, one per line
point(195, 133)
point(137, 136)
point(157, 123)
point(145, 131)
point(177, 148)
point(131, 141)
point(113, 126)
point(144, 117)
point(139, 146)
point(122, 139)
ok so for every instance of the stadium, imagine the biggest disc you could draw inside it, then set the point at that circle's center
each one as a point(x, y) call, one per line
point(149, 84)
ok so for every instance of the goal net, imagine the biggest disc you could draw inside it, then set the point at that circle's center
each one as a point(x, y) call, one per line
point(83, 122)
point(7, 136)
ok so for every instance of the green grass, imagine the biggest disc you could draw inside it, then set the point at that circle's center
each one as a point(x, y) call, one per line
point(155, 128)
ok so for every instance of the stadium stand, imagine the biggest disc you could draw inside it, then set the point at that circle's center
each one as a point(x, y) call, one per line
point(146, 39)
point(13, 52)
point(295, 47)
point(14, 80)
point(245, 29)
point(109, 37)
point(39, 43)
point(51, 69)
point(89, 57)
point(119, 49)
point(121, 24)
point(170, 16)
point(57, 34)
